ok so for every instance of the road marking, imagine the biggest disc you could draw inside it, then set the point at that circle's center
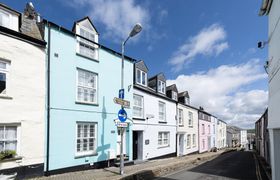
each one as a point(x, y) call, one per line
point(258, 174)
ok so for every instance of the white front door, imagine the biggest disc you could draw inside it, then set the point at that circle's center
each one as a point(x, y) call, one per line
point(181, 144)
point(119, 142)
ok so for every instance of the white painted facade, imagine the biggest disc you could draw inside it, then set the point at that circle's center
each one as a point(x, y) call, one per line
point(243, 138)
point(23, 103)
point(187, 131)
point(274, 86)
point(9, 19)
point(221, 134)
point(149, 126)
point(214, 125)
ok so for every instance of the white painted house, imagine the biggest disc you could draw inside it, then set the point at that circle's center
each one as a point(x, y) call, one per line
point(187, 129)
point(243, 138)
point(154, 123)
point(271, 8)
point(22, 93)
point(221, 134)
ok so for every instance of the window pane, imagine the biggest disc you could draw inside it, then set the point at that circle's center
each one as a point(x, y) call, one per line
point(11, 146)
point(138, 76)
point(1, 132)
point(2, 82)
point(2, 65)
point(79, 130)
point(4, 19)
point(143, 78)
point(85, 130)
point(85, 144)
point(11, 133)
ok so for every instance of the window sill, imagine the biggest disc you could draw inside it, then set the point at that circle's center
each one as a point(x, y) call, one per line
point(11, 159)
point(165, 146)
point(5, 97)
point(84, 56)
point(162, 122)
point(138, 119)
point(87, 103)
point(190, 126)
point(189, 147)
point(181, 125)
point(85, 155)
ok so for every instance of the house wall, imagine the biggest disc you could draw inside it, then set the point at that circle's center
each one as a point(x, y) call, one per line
point(221, 134)
point(152, 127)
point(24, 104)
point(214, 127)
point(204, 137)
point(274, 87)
point(186, 129)
point(243, 138)
point(65, 112)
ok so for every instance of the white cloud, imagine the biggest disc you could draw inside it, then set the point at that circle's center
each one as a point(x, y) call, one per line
point(219, 92)
point(118, 17)
point(209, 41)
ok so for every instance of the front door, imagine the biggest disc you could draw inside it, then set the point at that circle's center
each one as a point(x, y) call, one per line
point(181, 144)
point(119, 142)
point(135, 145)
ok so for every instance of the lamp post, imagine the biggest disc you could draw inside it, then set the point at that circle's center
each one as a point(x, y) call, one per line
point(136, 29)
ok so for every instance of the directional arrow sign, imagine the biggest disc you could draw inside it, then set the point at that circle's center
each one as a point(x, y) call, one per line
point(122, 115)
point(122, 102)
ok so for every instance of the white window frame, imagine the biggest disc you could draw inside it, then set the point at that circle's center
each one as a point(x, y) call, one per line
point(162, 136)
point(87, 44)
point(6, 72)
point(141, 77)
point(194, 140)
point(174, 95)
point(187, 100)
point(209, 129)
point(180, 117)
point(164, 111)
point(141, 107)
point(9, 19)
point(188, 141)
point(18, 129)
point(87, 87)
point(190, 119)
point(95, 138)
point(161, 87)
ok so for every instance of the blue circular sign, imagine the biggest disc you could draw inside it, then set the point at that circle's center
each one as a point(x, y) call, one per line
point(122, 115)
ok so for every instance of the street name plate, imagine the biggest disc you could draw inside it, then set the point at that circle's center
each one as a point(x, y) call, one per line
point(121, 124)
point(122, 102)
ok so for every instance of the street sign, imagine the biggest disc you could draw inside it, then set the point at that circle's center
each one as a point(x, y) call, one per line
point(121, 124)
point(122, 102)
point(122, 115)
point(121, 93)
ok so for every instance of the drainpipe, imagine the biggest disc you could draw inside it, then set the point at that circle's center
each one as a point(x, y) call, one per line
point(48, 101)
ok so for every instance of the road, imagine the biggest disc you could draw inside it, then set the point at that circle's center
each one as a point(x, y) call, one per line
point(228, 166)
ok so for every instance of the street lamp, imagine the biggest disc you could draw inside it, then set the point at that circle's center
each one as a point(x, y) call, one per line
point(136, 29)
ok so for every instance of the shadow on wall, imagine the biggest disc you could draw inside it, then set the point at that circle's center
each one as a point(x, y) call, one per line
point(103, 148)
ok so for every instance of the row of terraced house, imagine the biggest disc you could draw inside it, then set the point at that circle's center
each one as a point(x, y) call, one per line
point(56, 98)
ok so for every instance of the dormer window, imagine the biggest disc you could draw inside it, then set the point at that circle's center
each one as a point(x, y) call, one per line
point(86, 39)
point(174, 96)
point(9, 19)
point(141, 77)
point(161, 87)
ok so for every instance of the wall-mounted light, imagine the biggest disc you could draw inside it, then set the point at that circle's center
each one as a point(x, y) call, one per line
point(261, 44)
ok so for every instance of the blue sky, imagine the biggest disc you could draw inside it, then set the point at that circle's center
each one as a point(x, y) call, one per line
point(205, 47)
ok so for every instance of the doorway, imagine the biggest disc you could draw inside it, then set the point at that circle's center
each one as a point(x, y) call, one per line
point(137, 145)
point(181, 144)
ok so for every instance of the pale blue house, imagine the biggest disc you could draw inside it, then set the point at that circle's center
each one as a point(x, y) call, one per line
point(83, 79)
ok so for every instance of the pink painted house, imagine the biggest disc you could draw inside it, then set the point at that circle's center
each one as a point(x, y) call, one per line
point(204, 130)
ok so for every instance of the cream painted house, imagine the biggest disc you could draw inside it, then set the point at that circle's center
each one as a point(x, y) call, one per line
point(22, 93)
point(187, 126)
point(221, 134)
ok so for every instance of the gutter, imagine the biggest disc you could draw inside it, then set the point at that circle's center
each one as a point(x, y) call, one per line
point(48, 101)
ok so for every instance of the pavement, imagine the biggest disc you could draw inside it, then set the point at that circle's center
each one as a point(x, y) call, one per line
point(229, 166)
point(147, 170)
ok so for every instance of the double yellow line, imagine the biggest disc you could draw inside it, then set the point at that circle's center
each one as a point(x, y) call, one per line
point(258, 173)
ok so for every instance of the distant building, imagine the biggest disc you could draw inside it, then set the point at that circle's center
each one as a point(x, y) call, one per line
point(233, 136)
point(22, 92)
point(271, 8)
point(187, 125)
point(243, 138)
